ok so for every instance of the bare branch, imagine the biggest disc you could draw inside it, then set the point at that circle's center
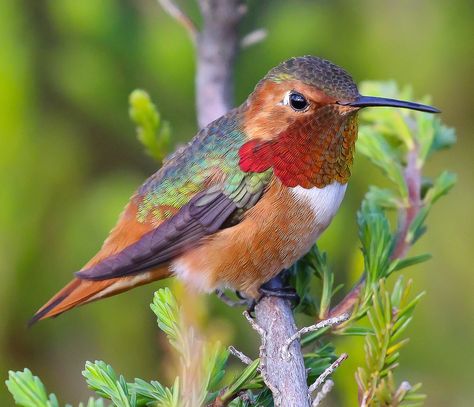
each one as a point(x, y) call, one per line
point(257, 328)
point(316, 327)
point(325, 390)
point(286, 378)
point(329, 371)
point(253, 38)
point(217, 47)
point(180, 16)
point(263, 354)
point(239, 355)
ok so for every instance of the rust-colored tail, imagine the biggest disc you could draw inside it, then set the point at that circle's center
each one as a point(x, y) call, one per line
point(79, 292)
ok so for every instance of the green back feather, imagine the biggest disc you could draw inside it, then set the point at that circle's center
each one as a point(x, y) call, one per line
point(213, 151)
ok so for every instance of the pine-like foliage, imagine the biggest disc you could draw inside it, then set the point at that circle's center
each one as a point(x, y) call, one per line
point(396, 141)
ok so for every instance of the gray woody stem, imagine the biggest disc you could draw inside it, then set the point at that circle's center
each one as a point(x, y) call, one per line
point(284, 376)
point(217, 46)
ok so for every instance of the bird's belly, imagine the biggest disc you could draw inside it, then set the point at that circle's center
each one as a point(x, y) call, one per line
point(275, 233)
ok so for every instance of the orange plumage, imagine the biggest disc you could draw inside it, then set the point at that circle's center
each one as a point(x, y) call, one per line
point(245, 198)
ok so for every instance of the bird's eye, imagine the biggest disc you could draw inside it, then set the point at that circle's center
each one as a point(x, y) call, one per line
point(297, 101)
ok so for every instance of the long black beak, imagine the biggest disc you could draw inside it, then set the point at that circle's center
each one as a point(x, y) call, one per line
point(367, 101)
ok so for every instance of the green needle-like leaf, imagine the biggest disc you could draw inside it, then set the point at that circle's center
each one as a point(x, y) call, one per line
point(238, 384)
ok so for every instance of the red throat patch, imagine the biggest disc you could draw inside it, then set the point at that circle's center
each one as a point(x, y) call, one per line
point(311, 152)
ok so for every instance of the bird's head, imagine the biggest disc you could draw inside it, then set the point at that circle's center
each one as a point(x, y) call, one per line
point(302, 121)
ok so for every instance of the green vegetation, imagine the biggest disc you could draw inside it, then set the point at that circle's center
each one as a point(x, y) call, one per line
point(69, 161)
point(398, 142)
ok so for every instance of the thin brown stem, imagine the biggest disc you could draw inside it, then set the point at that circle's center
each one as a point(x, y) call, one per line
point(181, 17)
point(240, 355)
point(406, 215)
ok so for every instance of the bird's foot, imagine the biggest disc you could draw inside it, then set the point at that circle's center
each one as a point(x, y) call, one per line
point(287, 293)
point(277, 287)
point(233, 303)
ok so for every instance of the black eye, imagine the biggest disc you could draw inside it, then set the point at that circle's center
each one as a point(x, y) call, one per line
point(298, 101)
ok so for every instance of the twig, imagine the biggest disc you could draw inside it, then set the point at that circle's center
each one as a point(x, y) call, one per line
point(325, 390)
point(407, 214)
point(257, 328)
point(263, 354)
point(253, 38)
point(348, 302)
point(181, 17)
point(239, 355)
point(329, 371)
point(316, 327)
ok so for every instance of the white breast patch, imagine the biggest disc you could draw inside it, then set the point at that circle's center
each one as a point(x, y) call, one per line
point(323, 201)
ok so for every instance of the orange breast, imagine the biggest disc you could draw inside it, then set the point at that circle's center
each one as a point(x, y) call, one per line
point(275, 233)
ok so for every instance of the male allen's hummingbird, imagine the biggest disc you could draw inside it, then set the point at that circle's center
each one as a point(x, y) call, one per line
point(245, 199)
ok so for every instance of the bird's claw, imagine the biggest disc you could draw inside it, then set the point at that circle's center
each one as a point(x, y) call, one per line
point(287, 293)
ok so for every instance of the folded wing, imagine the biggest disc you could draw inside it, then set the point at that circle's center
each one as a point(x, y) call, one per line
point(202, 216)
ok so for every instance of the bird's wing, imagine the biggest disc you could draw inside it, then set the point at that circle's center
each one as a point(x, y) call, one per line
point(206, 213)
point(200, 190)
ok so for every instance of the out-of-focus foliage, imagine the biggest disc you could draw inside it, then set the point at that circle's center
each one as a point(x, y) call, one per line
point(28, 390)
point(151, 131)
point(389, 316)
point(193, 388)
point(384, 251)
point(69, 162)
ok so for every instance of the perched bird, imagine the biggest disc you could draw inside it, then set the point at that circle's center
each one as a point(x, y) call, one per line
point(247, 196)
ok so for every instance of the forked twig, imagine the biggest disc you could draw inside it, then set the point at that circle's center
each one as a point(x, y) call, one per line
point(329, 371)
point(181, 17)
point(240, 355)
point(316, 327)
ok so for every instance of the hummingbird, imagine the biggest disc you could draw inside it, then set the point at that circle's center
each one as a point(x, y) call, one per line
point(245, 198)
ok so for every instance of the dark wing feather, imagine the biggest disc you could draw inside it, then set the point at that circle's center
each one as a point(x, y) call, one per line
point(204, 215)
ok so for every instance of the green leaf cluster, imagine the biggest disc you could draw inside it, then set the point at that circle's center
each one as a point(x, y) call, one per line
point(29, 391)
point(389, 315)
point(152, 132)
point(390, 139)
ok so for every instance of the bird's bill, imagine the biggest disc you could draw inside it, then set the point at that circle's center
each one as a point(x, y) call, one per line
point(368, 101)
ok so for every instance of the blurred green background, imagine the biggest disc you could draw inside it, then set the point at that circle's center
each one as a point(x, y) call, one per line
point(69, 160)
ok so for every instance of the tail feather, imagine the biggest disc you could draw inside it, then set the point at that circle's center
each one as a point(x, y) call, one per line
point(79, 292)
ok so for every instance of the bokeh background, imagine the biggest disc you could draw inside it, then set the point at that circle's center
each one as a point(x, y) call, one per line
point(69, 160)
